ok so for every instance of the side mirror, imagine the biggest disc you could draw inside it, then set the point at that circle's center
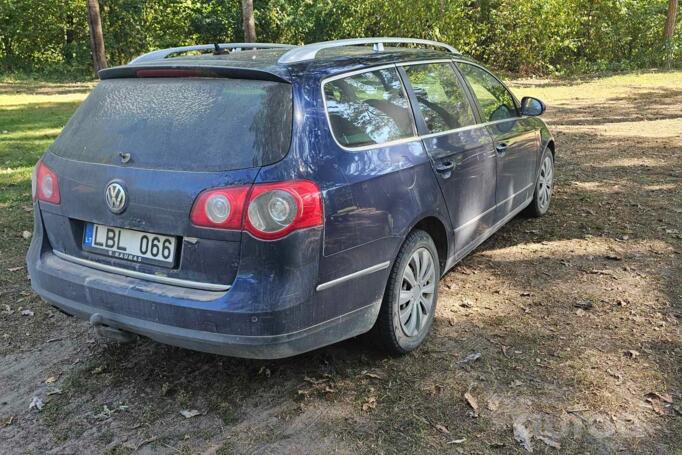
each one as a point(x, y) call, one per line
point(532, 107)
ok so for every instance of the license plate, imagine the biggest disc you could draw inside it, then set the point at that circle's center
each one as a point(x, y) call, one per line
point(130, 245)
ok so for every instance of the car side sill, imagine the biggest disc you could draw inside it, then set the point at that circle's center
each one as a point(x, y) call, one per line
point(478, 217)
point(483, 237)
point(359, 273)
point(143, 276)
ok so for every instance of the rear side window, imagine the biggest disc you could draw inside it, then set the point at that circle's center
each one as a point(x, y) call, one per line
point(368, 108)
point(441, 97)
point(496, 102)
point(193, 124)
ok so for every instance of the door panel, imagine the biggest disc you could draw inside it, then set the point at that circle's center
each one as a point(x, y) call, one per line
point(516, 144)
point(469, 189)
point(461, 152)
point(515, 138)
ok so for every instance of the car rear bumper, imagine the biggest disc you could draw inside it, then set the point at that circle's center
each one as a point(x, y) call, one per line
point(220, 322)
point(255, 347)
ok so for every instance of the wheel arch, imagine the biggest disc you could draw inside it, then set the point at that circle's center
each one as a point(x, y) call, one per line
point(552, 147)
point(437, 229)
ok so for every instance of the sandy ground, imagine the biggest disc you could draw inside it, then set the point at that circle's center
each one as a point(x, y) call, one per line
point(576, 318)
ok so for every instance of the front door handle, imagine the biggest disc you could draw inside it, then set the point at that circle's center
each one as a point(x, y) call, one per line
point(501, 148)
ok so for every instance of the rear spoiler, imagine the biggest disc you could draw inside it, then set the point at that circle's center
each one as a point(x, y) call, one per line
point(133, 71)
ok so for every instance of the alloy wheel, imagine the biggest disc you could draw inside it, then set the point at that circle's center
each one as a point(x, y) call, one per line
point(545, 182)
point(417, 292)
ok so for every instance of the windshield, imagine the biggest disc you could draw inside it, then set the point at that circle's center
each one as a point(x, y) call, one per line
point(194, 124)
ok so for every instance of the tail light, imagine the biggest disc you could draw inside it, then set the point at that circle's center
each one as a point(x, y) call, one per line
point(267, 211)
point(45, 185)
point(220, 208)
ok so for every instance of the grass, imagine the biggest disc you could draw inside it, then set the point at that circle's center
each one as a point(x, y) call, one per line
point(561, 372)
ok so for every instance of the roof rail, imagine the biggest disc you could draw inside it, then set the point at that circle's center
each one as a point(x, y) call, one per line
point(309, 51)
point(163, 53)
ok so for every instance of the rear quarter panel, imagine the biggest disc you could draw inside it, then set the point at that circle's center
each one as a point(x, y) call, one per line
point(372, 198)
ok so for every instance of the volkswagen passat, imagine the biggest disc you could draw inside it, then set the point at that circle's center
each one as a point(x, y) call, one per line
point(264, 200)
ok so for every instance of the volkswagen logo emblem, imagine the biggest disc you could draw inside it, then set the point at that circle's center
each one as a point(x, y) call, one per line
point(116, 197)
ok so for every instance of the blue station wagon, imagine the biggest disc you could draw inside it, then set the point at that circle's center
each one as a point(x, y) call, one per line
point(263, 200)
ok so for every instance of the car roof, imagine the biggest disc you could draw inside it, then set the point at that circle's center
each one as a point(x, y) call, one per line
point(327, 62)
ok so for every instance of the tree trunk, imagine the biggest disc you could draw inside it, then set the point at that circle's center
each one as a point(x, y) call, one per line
point(670, 31)
point(248, 21)
point(96, 38)
point(670, 22)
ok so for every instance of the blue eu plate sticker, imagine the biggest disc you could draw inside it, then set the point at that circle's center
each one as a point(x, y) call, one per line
point(88, 234)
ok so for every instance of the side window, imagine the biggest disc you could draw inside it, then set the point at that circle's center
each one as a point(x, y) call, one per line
point(441, 97)
point(496, 102)
point(368, 108)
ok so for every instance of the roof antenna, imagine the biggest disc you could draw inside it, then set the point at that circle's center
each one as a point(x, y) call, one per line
point(217, 50)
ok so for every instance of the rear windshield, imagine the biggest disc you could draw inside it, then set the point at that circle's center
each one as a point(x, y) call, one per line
point(181, 124)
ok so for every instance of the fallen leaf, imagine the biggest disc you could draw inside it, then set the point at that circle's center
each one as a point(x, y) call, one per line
point(457, 441)
point(631, 353)
point(550, 442)
point(442, 429)
point(657, 406)
point(14, 269)
point(7, 422)
point(51, 380)
point(584, 305)
point(36, 403)
point(471, 358)
point(26, 234)
point(466, 303)
point(372, 375)
point(189, 413)
point(27, 313)
point(578, 409)
point(371, 403)
point(526, 294)
point(615, 374)
point(471, 400)
point(522, 436)
point(54, 391)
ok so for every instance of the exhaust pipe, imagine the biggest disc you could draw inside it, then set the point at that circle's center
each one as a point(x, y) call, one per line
point(110, 333)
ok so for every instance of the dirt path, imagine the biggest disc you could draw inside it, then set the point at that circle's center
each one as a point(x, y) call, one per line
point(576, 318)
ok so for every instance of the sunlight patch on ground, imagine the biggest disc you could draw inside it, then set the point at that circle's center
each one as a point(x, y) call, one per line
point(633, 162)
point(41, 133)
point(566, 249)
point(12, 102)
point(666, 128)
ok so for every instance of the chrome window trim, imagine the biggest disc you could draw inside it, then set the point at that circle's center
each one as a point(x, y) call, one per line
point(358, 274)
point(143, 276)
point(416, 137)
point(425, 62)
point(336, 77)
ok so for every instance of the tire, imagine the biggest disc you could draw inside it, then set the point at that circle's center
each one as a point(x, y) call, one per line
point(542, 196)
point(418, 311)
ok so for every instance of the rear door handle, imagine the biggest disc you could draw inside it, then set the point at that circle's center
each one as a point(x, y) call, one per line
point(501, 148)
point(445, 167)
